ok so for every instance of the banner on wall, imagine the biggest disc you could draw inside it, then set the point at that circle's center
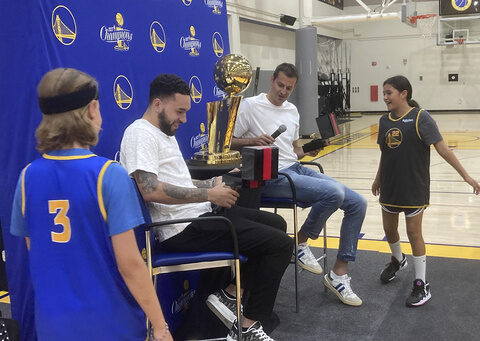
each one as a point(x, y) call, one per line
point(124, 45)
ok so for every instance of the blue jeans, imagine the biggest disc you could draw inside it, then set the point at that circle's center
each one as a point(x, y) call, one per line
point(325, 195)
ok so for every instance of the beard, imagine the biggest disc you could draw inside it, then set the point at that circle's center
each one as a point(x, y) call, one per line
point(164, 125)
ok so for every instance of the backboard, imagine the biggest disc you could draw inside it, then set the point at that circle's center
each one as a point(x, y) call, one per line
point(458, 30)
point(409, 9)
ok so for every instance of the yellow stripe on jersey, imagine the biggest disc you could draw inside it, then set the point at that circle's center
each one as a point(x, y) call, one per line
point(416, 124)
point(397, 119)
point(23, 189)
point(99, 189)
point(69, 157)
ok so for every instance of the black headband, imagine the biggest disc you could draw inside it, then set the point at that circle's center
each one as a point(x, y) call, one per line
point(67, 102)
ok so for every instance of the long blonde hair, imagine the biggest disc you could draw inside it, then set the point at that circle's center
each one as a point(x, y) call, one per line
point(63, 129)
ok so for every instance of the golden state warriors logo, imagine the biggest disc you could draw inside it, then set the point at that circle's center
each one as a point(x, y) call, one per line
point(217, 44)
point(117, 34)
point(190, 43)
point(195, 89)
point(122, 92)
point(217, 92)
point(393, 138)
point(200, 140)
point(157, 36)
point(216, 5)
point(187, 2)
point(461, 5)
point(63, 25)
point(181, 303)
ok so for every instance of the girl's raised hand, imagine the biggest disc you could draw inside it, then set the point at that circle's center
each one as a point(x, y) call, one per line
point(472, 182)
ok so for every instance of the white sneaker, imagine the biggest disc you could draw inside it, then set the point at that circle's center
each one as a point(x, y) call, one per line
point(224, 307)
point(341, 288)
point(307, 260)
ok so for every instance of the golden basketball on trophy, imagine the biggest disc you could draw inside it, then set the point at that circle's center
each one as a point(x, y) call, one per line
point(232, 75)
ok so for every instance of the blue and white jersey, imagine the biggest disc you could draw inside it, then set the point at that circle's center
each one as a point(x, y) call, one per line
point(69, 203)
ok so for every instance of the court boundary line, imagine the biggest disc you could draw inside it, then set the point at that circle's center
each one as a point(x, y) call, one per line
point(433, 250)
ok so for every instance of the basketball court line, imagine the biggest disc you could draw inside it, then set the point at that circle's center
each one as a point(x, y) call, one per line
point(4, 297)
point(434, 250)
point(454, 139)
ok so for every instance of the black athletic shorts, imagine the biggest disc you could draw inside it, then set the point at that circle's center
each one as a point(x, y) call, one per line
point(409, 212)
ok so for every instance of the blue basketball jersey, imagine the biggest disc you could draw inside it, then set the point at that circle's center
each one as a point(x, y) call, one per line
point(79, 292)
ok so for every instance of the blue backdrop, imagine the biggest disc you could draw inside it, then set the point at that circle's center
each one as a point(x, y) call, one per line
point(124, 44)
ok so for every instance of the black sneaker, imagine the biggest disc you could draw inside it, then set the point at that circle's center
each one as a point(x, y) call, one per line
point(224, 307)
point(420, 294)
point(390, 272)
point(253, 333)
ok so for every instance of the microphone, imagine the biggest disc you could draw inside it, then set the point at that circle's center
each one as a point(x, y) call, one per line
point(280, 130)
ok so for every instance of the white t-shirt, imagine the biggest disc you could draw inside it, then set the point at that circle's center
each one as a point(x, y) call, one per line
point(257, 116)
point(145, 147)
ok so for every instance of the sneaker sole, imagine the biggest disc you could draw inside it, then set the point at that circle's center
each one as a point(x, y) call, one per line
point(332, 289)
point(221, 311)
point(419, 304)
point(312, 270)
point(394, 276)
point(230, 338)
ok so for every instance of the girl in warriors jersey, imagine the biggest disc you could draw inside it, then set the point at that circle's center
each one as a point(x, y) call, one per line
point(403, 178)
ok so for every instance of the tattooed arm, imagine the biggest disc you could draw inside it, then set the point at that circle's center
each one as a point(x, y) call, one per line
point(209, 183)
point(165, 193)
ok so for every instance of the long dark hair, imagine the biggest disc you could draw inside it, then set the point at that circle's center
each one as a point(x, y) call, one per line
point(401, 83)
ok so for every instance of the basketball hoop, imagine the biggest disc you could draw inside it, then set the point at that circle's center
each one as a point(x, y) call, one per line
point(460, 41)
point(425, 23)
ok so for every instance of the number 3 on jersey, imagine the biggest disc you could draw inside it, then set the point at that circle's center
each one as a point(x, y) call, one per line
point(60, 207)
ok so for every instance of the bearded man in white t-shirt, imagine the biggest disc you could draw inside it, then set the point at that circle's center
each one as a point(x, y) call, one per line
point(258, 117)
point(150, 153)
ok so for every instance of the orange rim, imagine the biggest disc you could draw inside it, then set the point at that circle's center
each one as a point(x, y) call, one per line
point(414, 19)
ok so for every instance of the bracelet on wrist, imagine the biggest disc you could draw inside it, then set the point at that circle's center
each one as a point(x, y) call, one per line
point(162, 337)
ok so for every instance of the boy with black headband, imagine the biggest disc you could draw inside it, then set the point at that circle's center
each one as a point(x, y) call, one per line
point(76, 211)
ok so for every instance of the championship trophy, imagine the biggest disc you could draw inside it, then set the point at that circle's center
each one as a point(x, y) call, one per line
point(232, 74)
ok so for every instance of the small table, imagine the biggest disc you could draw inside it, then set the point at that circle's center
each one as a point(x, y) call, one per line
point(249, 197)
point(202, 171)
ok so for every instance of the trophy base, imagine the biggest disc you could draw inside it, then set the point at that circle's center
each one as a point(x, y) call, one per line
point(204, 157)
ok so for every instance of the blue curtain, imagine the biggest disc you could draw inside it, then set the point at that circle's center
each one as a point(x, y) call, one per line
point(124, 44)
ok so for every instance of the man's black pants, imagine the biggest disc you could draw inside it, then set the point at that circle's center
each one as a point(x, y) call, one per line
point(261, 238)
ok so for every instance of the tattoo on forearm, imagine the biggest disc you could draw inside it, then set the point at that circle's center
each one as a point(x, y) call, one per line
point(147, 181)
point(177, 192)
point(209, 183)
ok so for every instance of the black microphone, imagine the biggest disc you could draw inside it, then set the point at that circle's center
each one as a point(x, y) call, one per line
point(280, 130)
